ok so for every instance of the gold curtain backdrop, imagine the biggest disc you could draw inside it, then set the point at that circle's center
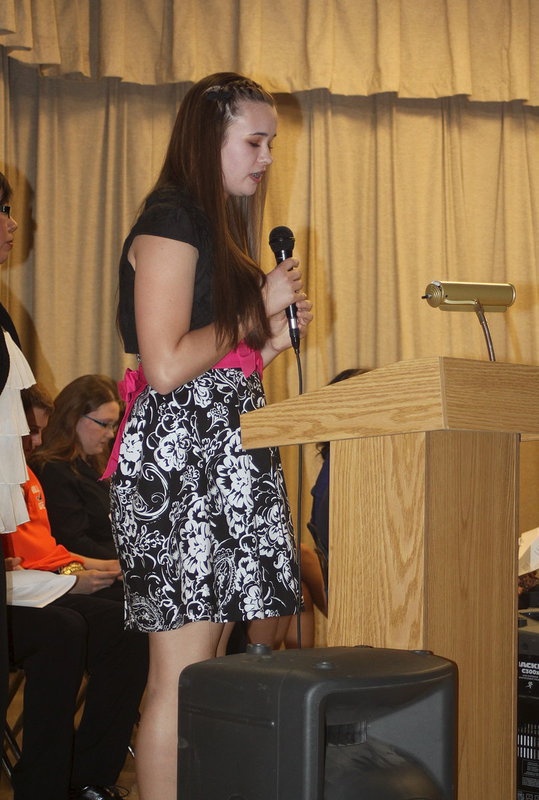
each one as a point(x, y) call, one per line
point(407, 151)
point(417, 48)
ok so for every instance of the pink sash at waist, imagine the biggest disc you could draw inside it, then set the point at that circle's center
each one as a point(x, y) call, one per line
point(129, 389)
point(134, 382)
point(243, 356)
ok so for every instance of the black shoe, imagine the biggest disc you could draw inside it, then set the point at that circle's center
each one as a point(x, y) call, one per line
point(98, 793)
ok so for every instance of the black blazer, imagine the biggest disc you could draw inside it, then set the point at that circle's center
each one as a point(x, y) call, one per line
point(78, 506)
point(7, 324)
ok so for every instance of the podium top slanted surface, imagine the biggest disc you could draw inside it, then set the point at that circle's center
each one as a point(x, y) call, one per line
point(427, 394)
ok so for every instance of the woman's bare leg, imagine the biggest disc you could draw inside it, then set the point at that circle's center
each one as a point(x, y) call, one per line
point(263, 631)
point(157, 739)
point(223, 639)
point(312, 576)
point(290, 636)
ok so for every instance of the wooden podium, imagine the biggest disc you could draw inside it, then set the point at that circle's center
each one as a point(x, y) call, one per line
point(424, 532)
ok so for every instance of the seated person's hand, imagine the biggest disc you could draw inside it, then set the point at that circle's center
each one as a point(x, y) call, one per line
point(92, 580)
point(103, 564)
point(13, 564)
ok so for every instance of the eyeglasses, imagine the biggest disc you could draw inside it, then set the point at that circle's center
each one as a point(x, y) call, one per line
point(112, 426)
point(5, 210)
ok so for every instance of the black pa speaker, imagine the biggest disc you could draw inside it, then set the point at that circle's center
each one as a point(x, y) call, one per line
point(353, 723)
point(528, 704)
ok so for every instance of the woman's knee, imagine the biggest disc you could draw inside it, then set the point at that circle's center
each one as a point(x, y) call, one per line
point(172, 651)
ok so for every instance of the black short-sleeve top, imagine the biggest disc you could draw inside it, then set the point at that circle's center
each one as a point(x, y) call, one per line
point(166, 214)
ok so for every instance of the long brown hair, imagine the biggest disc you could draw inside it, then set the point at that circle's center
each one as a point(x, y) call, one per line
point(192, 165)
point(36, 396)
point(60, 440)
point(5, 189)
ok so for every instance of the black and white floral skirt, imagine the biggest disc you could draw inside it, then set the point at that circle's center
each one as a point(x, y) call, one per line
point(202, 527)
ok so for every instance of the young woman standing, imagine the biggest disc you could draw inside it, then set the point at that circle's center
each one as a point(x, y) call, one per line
point(202, 526)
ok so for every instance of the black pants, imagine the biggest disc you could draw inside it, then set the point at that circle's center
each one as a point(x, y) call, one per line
point(4, 664)
point(55, 645)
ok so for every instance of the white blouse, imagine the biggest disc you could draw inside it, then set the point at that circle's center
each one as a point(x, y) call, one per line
point(13, 426)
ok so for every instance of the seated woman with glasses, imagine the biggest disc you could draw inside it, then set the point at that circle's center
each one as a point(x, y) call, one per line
point(76, 446)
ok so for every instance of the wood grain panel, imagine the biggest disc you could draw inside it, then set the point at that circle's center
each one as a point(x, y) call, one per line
point(393, 399)
point(422, 395)
point(423, 555)
point(376, 578)
point(471, 524)
point(480, 395)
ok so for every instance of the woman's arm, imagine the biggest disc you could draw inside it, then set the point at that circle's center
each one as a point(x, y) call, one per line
point(164, 286)
point(280, 338)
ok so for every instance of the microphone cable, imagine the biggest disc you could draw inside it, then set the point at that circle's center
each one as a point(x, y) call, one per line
point(282, 241)
point(299, 506)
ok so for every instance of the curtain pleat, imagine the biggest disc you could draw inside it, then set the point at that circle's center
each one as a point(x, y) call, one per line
point(480, 48)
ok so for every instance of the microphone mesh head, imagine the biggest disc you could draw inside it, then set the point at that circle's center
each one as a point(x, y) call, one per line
point(281, 238)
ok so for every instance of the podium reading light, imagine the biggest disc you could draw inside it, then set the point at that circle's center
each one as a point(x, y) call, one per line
point(478, 297)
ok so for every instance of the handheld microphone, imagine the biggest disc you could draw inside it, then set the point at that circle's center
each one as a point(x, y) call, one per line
point(281, 241)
